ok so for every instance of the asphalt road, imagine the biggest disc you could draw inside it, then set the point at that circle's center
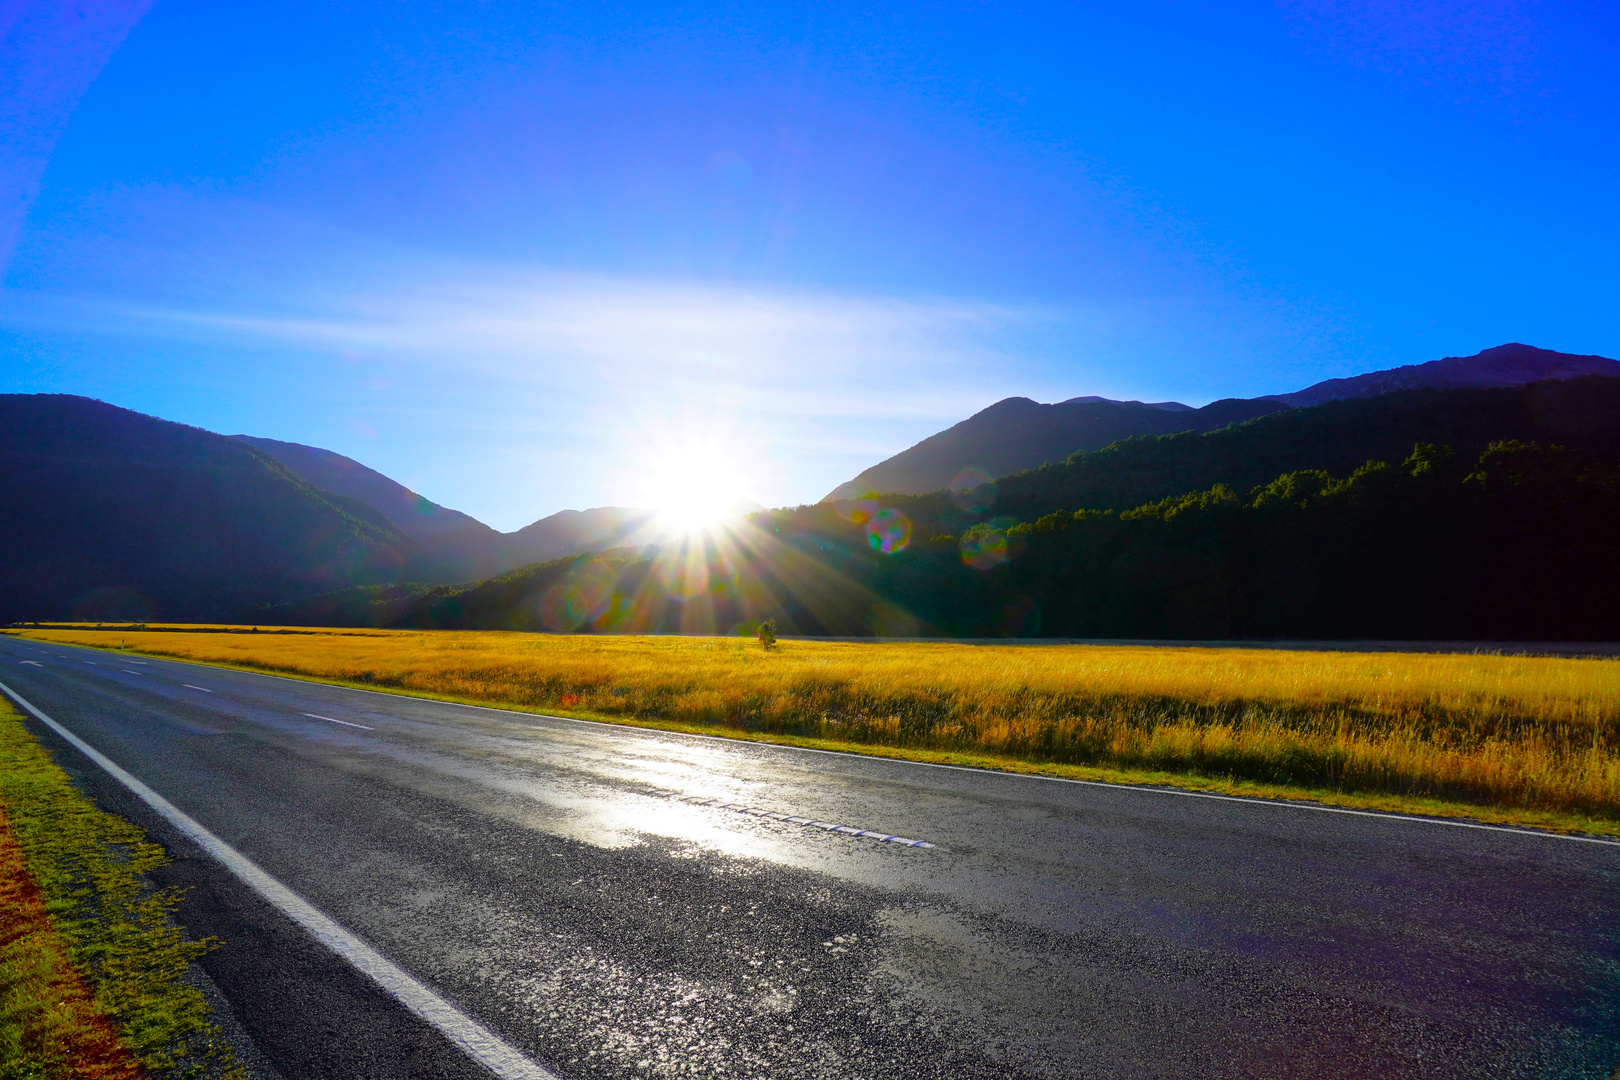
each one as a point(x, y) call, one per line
point(553, 880)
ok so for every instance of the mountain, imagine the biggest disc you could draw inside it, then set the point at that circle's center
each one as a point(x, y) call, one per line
point(1018, 434)
point(1336, 437)
point(1464, 513)
point(981, 566)
point(1506, 365)
point(571, 532)
point(443, 544)
point(112, 514)
point(577, 532)
point(115, 515)
point(1501, 529)
point(1167, 406)
point(446, 546)
point(413, 515)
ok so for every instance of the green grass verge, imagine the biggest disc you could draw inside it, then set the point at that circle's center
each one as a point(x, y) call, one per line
point(1518, 817)
point(117, 929)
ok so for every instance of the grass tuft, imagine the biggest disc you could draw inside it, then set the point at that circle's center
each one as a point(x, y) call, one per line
point(50, 1027)
point(114, 929)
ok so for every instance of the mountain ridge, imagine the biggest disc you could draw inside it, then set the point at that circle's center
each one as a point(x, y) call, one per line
point(998, 443)
point(130, 516)
point(1018, 433)
point(123, 515)
point(1513, 364)
point(448, 546)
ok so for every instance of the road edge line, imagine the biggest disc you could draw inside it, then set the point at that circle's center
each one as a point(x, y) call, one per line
point(475, 1040)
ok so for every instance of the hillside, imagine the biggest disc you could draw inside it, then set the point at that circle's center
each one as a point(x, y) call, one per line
point(412, 514)
point(1486, 514)
point(1515, 543)
point(113, 514)
point(570, 532)
point(1017, 434)
point(127, 516)
point(442, 544)
point(1337, 436)
point(445, 545)
point(1506, 365)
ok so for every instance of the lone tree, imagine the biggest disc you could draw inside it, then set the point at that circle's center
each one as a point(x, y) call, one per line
point(767, 634)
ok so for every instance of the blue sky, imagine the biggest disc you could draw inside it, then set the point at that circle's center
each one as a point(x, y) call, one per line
point(527, 257)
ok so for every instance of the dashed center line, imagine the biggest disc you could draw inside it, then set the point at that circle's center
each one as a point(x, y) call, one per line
point(790, 819)
point(204, 689)
point(345, 723)
point(36, 663)
point(129, 672)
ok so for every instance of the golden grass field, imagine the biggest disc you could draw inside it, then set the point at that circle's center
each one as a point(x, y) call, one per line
point(1536, 737)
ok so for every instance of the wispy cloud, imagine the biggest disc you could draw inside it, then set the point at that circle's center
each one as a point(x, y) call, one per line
point(804, 385)
point(510, 389)
point(584, 329)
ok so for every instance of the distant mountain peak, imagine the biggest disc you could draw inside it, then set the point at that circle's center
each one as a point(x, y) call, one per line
point(1167, 406)
point(413, 515)
point(1017, 433)
point(1513, 364)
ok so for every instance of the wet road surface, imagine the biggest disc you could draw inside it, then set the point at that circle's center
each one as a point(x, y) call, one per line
point(623, 903)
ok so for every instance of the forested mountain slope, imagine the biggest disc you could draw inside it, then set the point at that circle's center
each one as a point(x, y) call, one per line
point(1506, 365)
point(1018, 434)
point(446, 545)
point(442, 544)
point(1515, 543)
point(1337, 437)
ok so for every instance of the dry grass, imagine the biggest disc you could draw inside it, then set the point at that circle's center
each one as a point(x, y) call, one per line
point(1535, 733)
point(50, 1025)
point(92, 968)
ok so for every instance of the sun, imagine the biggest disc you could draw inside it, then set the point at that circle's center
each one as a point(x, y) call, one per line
point(693, 488)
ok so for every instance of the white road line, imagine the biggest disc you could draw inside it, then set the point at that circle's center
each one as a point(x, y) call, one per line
point(35, 663)
point(345, 723)
point(204, 689)
point(1142, 789)
point(478, 1042)
point(129, 672)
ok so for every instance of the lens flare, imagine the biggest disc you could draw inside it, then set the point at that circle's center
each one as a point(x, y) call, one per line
point(856, 511)
point(973, 490)
point(987, 545)
point(888, 531)
point(580, 597)
point(892, 620)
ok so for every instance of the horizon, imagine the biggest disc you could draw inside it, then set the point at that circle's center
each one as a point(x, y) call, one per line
point(526, 260)
point(680, 514)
